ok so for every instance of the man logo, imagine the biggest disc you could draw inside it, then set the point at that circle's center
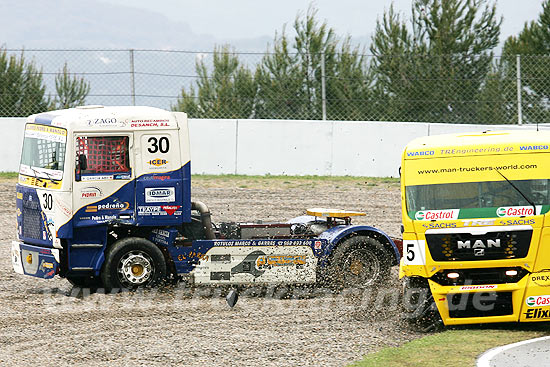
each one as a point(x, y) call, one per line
point(479, 252)
point(478, 244)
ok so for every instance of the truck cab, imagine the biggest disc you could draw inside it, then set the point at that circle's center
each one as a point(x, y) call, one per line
point(476, 224)
point(104, 199)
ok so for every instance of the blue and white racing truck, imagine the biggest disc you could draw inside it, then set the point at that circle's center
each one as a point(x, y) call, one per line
point(104, 200)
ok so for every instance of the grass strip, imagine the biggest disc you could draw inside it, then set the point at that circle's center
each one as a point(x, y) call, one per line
point(450, 348)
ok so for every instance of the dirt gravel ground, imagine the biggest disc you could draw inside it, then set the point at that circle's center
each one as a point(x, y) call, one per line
point(42, 324)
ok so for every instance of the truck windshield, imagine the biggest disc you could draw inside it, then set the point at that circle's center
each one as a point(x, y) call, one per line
point(479, 199)
point(43, 152)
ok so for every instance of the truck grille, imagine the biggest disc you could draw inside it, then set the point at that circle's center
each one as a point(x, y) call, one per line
point(472, 247)
point(32, 219)
point(480, 304)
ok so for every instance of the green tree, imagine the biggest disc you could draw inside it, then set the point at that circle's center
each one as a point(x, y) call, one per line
point(22, 91)
point(227, 90)
point(71, 90)
point(533, 46)
point(289, 77)
point(435, 68)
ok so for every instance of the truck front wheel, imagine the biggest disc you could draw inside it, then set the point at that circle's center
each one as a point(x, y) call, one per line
point(133, 263)
point(359, 262)
point(419, 308)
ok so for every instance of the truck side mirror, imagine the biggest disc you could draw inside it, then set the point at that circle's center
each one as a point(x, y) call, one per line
point(82, 162)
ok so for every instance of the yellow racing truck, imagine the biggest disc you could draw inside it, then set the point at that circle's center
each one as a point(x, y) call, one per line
point(476, 228)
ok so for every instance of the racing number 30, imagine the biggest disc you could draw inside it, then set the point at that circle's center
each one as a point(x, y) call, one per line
point(161, 145)
point(48, 201)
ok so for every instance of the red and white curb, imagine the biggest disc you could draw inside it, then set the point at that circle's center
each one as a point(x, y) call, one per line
point(484, 360)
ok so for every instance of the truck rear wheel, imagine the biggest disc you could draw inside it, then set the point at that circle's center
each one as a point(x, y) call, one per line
point(359, 262)
point(133, 263)
point(419, 308)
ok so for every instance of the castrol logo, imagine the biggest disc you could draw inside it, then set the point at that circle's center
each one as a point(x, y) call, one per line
point(538, 301)
point(517, 211)
point(448, 214)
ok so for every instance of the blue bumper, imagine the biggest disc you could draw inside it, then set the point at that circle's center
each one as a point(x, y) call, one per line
point(35, 261)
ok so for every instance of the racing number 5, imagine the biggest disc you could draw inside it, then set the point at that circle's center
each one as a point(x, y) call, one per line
point(414, 252)
point(410, 252)
point(161, 145)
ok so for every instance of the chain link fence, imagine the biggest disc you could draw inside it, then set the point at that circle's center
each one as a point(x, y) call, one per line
point(478, 89)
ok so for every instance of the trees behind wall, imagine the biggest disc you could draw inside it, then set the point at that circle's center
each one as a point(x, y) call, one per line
point(23, 92)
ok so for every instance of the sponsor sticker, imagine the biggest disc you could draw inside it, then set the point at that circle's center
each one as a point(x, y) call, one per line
point(228, 243)
point(158, 162)
point(517, 211)
point(449, 214)
point(160, 194)
point(541, 279)
point(171, 209)
point(107, 206)
point(96, 177)
point(90, 193)
point(162, 210)
point(478, 287)
point(285, 260)
point(537, 301)
point(156, 177)
point(108, 121)
point(150, 123)
point(122, 176)
point(537, 313)
point(317, 245)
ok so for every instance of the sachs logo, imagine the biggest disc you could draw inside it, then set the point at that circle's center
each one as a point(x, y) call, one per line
point(158, 162)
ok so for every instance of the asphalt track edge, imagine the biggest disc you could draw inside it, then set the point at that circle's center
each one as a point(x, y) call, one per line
point(484, 360)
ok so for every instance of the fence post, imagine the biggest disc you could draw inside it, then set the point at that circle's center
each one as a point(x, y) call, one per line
point(518, 75)
point(323, 90)
point(132, 79)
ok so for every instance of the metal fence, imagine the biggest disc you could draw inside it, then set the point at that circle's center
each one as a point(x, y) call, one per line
point(443, 88)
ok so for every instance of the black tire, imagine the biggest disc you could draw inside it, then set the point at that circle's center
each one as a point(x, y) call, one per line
point(133, 263)
point(419, 308)
point(359, 262)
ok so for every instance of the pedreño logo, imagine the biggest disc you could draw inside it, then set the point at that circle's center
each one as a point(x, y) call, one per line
point(107, 206)
point(516, 211)
point(448, 214)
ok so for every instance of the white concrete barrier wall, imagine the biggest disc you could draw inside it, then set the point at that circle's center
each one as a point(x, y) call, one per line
point(286, 147)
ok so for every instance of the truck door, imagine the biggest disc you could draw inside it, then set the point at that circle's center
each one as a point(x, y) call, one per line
point(104, 185)
point(160, 196)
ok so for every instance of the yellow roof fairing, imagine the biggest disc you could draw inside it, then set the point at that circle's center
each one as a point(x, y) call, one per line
point(478, 144)
point(476, 169)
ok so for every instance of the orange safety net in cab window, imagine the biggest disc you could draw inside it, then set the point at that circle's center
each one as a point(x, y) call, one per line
point(104, 154)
